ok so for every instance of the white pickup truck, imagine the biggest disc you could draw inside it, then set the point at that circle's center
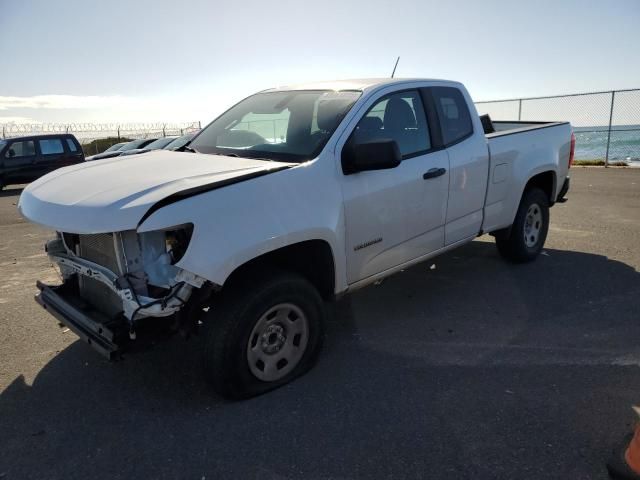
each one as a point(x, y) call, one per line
point(290, 198)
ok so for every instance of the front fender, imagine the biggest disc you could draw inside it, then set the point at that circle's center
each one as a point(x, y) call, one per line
point(238, 223)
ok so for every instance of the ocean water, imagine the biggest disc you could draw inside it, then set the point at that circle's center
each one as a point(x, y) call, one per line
point(624, 146)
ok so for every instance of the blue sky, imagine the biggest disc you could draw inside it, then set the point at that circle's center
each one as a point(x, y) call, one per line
point(128, 61)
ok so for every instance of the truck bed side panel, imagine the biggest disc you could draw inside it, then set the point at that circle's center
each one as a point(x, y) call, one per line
point(517, 157)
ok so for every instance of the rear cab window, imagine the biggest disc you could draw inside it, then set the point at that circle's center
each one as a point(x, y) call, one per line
point(453, 113)
point(51, 146)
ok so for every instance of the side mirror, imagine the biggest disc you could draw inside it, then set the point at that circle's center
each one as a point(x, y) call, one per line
point(379, 154)
point(11, 153)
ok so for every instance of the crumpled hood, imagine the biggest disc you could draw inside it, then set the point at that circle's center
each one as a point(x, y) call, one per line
point(114, 194)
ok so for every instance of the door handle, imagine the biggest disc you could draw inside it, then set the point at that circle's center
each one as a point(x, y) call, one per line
point(434, 172)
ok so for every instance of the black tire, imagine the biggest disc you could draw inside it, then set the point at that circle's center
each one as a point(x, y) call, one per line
point(231, 320)
point(512, 243)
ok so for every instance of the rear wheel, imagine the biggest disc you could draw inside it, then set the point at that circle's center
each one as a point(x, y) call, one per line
point(525, 239)
point(263, 334)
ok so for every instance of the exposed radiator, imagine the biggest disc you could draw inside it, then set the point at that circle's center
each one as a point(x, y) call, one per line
point(99, 249)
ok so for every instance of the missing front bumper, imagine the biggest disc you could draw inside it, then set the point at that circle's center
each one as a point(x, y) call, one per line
point(98, 334)
point(132, 305)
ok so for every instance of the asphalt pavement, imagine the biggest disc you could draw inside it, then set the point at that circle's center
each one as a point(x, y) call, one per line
point(464, 367)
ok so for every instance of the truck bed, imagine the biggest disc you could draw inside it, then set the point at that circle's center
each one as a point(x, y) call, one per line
point(502, 128)
point(518, 150)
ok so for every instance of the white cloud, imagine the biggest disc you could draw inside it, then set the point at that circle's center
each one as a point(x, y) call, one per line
point(185, 106)
point(94, 108)
point(69, 102)
point(12, 119)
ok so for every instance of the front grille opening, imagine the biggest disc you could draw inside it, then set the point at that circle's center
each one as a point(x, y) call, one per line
point(92, 299)
point(100, 297)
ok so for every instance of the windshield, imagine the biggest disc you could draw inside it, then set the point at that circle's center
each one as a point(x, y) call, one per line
point(285, 126)
point(135, 144)
point(179, 142)
point(160, 143)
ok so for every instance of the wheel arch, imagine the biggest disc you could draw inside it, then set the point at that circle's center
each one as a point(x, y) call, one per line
point(545, 181)
point(313, 259)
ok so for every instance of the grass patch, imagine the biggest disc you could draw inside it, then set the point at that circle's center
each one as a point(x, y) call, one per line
point(598, 163)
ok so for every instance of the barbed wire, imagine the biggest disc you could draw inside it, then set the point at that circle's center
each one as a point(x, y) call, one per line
point(97, 130)
point(607, 124)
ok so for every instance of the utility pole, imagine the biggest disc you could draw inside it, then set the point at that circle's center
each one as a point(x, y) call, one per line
point(606, 157)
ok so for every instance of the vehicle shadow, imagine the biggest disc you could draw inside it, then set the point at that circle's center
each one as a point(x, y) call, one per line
point(472, 368)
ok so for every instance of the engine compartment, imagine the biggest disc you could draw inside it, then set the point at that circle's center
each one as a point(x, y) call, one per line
point(125, 273)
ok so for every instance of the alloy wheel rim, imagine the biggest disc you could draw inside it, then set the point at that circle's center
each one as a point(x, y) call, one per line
point(277, 342)
point(532, 225)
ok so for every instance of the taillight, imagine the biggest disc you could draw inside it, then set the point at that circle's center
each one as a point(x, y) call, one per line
point(573, 148)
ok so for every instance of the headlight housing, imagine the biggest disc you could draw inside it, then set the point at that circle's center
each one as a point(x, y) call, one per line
point(161, 250)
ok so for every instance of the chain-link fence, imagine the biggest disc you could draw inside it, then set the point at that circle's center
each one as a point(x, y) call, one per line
point(97, 137)
point(606, 124)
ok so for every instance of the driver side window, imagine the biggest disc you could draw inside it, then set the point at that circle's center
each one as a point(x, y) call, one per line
point(21, 149)
point(400, 117)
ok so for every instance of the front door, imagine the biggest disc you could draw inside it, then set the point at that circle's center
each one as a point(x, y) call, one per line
point(393, 216)
point(19, 162)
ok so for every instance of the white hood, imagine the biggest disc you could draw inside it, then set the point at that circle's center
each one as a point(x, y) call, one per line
point(112, 195)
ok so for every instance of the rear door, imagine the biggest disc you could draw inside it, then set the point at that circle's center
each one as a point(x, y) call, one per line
point(396, 215)
point(51, 155)
point(469, 161)
point(19, 161)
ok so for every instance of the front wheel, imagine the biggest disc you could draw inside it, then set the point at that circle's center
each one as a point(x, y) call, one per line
point(524, 241)
point(265, 331)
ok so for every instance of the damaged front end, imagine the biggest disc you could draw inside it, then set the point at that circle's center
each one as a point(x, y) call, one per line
point(116, 283)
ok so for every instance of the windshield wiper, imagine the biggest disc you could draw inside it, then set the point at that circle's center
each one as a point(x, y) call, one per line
point(247, 157)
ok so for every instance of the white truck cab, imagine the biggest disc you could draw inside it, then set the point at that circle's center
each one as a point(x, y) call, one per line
point(290, 198)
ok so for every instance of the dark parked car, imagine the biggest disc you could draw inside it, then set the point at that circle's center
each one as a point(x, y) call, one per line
point(179, 142)
point(23, 159)
point(158, 144)
point(140, 143)
point(115, 147)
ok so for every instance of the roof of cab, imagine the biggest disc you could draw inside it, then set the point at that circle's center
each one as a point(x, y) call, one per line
point(40, 136)
point(359, 84)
